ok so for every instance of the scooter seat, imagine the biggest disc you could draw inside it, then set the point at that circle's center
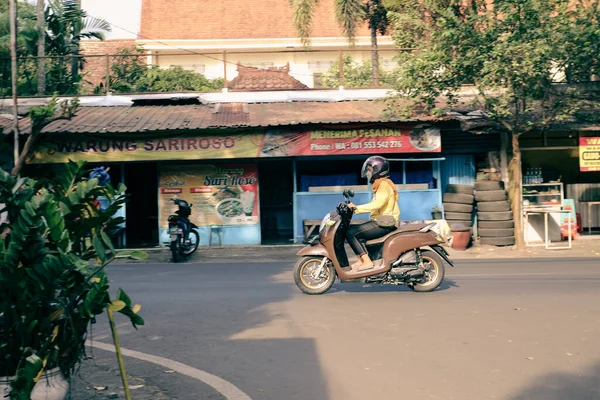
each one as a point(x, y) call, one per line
point(397, 231)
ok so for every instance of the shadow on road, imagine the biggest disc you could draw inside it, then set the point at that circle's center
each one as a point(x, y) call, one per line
point(561, 386)
point(375, 288)
point(221, 318)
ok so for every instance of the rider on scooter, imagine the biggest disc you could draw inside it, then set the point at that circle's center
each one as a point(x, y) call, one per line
point(384, 203)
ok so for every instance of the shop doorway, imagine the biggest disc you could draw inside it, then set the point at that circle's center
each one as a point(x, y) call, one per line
point(141, 210)
point(276, 189)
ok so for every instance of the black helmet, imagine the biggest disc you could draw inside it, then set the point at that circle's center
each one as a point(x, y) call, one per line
point(381, 167)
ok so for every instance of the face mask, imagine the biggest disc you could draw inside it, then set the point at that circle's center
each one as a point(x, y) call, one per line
point(369, 175)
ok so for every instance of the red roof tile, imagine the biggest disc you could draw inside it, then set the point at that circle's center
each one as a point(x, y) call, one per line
point(272, 78)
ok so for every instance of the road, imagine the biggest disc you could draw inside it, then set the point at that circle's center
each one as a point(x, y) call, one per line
point(514, 329)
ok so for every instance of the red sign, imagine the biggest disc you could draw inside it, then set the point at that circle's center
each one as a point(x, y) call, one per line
point(170, 190)
point(589, 154)
point(421, 139)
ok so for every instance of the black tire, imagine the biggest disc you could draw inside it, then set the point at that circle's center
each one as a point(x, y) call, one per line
point(464, 189)
point(175, 255)
point(496, 232)
point(432, 257)
point(482, 186)
point(459, 198)
point(491, 206)
point(491, 195)
point(195, 243)
point(496, 224)
point(495, 216)
point(498, 241)
point(456, 223)
point(459, 216)
point(301, 283)
point(456, 207)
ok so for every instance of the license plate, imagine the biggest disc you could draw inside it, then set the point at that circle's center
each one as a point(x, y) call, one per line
point(173, 238)
point(175, 231)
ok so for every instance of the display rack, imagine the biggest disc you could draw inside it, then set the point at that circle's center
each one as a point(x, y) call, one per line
point(541, 195)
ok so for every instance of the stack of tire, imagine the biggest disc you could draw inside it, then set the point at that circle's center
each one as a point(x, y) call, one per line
point(495, 221)
point(458, 205)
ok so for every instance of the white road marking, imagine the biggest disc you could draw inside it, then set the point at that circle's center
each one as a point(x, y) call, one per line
point(227, 389)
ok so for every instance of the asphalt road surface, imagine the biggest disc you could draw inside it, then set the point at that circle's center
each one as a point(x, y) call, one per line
point(516, 329)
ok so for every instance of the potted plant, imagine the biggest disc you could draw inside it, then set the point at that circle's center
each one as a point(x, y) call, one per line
point(52, 274)
point(436, 212)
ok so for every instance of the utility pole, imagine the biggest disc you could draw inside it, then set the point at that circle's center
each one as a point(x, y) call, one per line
point(13, 62)
point(41, 45)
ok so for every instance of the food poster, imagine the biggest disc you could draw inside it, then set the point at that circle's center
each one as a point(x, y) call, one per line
point(589, 154)
point(421, 138)
point(219, 194)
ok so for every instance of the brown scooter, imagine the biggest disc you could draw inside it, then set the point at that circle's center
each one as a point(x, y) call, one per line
point(410, 255)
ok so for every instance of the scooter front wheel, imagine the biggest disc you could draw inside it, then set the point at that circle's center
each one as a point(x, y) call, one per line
point(305, 275)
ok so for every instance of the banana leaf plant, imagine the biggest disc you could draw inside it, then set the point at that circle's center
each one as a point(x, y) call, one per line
point(53, 282)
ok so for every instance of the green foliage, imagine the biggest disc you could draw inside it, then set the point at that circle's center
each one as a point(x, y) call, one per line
point(130, 73)
point(176, 79)
point(52, 271)
point(67, 24)
point(514, 52)
point(356, 74)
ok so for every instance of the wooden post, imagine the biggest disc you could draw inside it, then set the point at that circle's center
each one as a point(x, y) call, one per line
point(341, 62)
point(224, 69)
point(14, 66)
point(107, 74)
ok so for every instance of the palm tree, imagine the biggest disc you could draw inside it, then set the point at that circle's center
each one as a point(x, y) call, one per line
point(349, 14)
point(67, 25)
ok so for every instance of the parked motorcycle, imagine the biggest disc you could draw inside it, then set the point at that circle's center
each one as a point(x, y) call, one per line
point(410, 255)
point(184, 237)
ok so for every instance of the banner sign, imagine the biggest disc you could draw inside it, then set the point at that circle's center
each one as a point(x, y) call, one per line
point(589, 154)
point(219, 194)
point(422, 138)
point(279, 143)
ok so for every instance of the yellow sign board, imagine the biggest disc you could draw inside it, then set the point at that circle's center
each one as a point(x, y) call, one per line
point(589, 154)
point(117, 150)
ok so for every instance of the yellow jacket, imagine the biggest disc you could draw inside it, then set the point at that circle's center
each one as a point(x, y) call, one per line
point(385, 202)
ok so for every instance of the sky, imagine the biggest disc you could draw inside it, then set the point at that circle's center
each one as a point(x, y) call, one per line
point(123, 15)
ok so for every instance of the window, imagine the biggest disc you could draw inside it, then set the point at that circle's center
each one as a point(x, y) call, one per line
point(317, 80)
point(191, 67)
point(319, 65)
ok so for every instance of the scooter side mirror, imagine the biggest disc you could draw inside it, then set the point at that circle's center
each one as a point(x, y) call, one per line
point(348, 193)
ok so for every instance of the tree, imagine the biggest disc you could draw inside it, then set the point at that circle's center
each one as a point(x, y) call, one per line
point(528, 62)
point(350, 14)
point(41, 46)
point(67, 25)
point(26, 37)
point(356, 74)
point(41, 117)
point(130, 73)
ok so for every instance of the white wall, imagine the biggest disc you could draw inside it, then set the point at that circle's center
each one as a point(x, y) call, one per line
point(302, 65)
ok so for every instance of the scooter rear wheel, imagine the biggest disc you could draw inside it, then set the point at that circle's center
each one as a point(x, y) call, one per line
point(434, 275)
point(304, 275)
point(175, 255)
point(194, 240)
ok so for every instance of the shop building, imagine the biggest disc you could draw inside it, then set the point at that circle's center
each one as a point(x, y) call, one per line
point(259, 172)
